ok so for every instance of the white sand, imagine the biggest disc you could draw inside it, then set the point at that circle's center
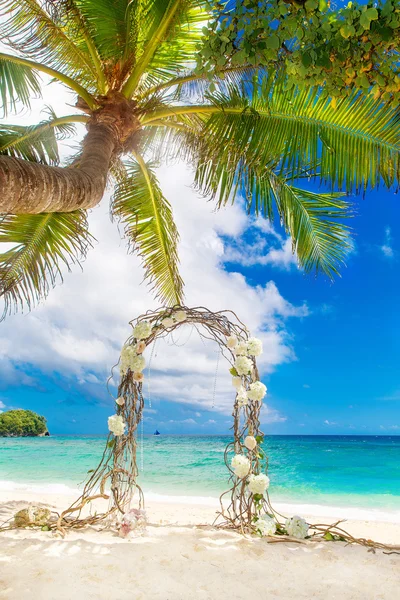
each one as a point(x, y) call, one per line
point(177, 560)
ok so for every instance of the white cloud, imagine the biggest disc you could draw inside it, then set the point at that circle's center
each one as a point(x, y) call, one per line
point(326, 422)
point(79, 330)
point(269, 249)
point(271, 415)
point(390, 427)
point(387, 248)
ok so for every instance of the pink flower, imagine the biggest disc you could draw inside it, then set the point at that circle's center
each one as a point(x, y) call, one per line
point(140, 347)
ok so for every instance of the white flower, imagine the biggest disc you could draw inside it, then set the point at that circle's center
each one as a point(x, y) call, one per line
point(142, 330)
point(167, 322)
point(243, 365)
point(242, 397)
point(116, 424)
point(254, 346)
point(250, 442)
point(257, 391)
point(231, 341)
point(258, 484)
point(297, 527)
point(236, 382)
point(137, 363)
point(120, 401)
point(139, 377)
point(240, 465)
point(241, 348)
point(140, 347)
point(127, 354)
point(180, 316)
point(265, 525)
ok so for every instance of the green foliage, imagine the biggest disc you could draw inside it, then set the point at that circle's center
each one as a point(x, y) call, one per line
point(354, 47)
point(36, 143)
point(141, 206)
point(17, 82)
point(281, 92)
point(41, 244)
point(21, 423)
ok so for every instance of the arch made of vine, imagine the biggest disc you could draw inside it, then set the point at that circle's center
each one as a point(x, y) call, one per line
point(245, 504)
point(116, 477)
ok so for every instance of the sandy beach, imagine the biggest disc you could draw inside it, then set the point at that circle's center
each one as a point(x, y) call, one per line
point(182, 556)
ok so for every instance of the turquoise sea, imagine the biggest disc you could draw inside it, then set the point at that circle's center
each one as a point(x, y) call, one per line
point(348, 471)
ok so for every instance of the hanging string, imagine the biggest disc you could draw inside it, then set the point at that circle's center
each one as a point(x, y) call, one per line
point(141, 444)
point(153, 348)
point(215, 378)
point(174, 343)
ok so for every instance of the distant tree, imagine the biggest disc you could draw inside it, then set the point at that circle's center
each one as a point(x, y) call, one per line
point(280, 93)
point(19, 422)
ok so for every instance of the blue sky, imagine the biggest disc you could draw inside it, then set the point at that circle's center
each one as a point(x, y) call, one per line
point(331, 349)
point(344, 377)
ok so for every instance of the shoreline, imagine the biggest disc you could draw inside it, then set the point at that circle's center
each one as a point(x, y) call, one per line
point(186, 510)
point(353, 513)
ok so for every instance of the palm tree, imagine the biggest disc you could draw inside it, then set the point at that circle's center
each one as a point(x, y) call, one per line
point(130, 63)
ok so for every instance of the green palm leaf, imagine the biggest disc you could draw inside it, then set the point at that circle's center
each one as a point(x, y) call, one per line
point(52, 39)
point(36, 143)
point(302, 127)
point(147, 216)
point(17, 84)
point(41, 245)
point(170, 31)
point(320, 240)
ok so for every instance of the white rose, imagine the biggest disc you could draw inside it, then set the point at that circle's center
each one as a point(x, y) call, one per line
point(296, 527)
point(257, 391)
point(241, 348)
point(142, 330)
point(116, 425)
point(180, 316)
point(120, 401)
point(240, 465)
point(140, 347)
point(243, 365)
point(236, 382)
point(137, 363)
point(254, 346)
point(167, 322)
point(258, 484)
point(265, 525)
point(231, 341)
point(250, 442)
point(139, 377)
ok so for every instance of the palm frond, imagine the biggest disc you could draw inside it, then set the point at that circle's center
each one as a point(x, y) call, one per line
point(355, 143)
point(17, 84)
point(169, 34)
point(37, 143)
point(56, 41)
point(320, 240)
point(41, 245)
point(147, 217)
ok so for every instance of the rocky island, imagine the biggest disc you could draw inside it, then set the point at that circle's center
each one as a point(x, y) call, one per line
point(22, 423)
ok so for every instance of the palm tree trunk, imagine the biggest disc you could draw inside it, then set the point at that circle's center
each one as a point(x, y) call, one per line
point(30, 188)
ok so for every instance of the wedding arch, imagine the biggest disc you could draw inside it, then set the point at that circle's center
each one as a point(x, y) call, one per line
point(245, 506)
